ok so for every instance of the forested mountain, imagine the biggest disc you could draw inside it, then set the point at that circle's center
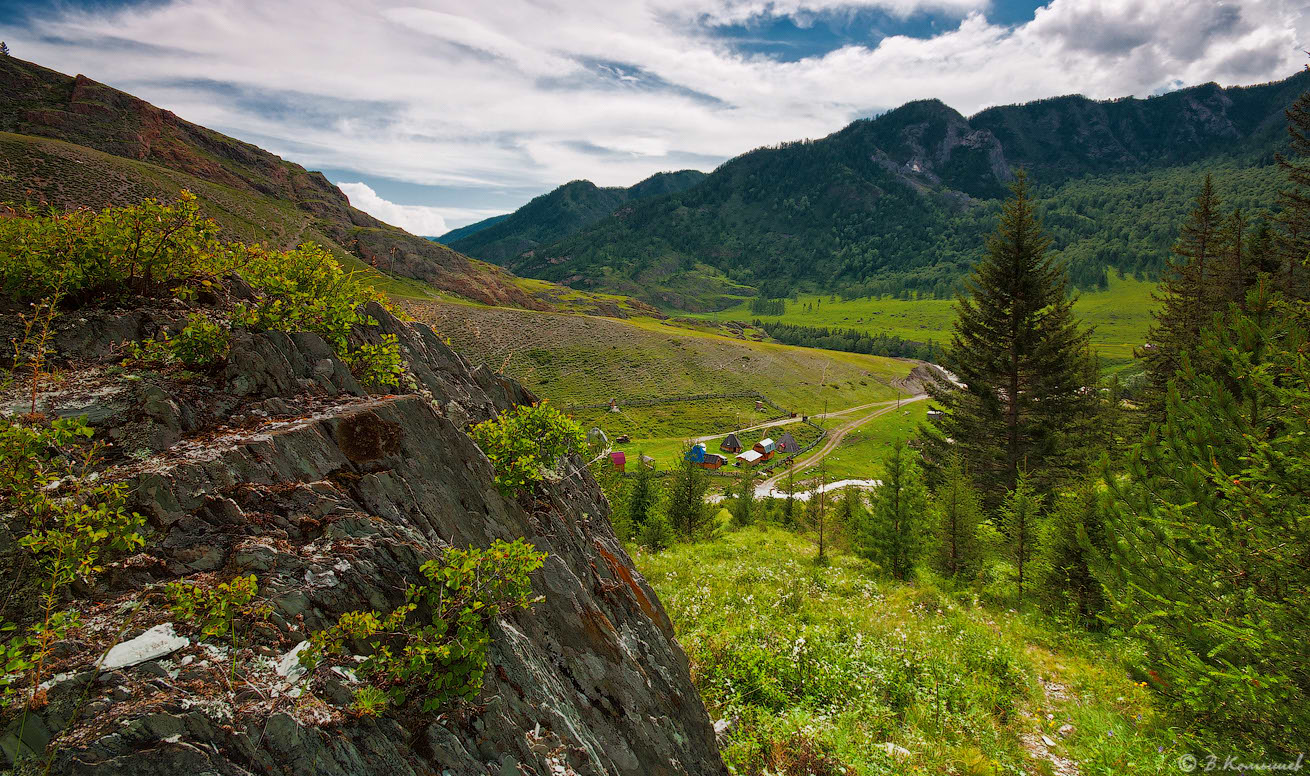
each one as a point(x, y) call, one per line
point(72, 142)
point(558, 214)
point(465, 231)
point(903, 200)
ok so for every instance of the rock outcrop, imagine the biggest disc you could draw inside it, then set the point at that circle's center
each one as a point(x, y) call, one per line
point(280, 465)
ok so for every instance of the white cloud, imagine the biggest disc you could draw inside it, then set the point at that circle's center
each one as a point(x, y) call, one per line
point(415, 219)
point(521, 95)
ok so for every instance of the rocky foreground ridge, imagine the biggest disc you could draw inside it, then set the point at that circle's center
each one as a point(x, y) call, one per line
point(279, 464)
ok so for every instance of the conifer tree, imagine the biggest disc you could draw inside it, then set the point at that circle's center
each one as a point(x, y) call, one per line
point(1235, 270)
point(1206, 560)
point(1020, 353)
point(743, 508)
point(1292, 239)
point(642, 495)
point(959, 513)
point(1076, 533)
point(687, 511)
point(894, 534)
point(1188, 294)
point(1021, 515)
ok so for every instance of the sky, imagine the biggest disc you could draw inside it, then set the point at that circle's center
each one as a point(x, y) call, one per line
point(432, 114)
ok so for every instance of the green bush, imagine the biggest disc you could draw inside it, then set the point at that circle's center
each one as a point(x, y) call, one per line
point(202, 343)
point(524, 442)
point(307, 290)
point(379, 364)
point(435, 644)
point(152, 247)
point(218, 609)
point(136, 248)
point(65, 522)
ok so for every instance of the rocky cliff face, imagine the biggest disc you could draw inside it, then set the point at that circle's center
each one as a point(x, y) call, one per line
point(280, 465)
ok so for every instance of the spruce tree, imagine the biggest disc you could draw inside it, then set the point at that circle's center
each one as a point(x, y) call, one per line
point(1076, 533)
point(895, 532)
point(687, 510)
point(1021, 515)
point(959, 513)
point(743, 508)
point(1020, 353)
point(1207, 556)
point(1292, 239)
point(1189, 294)
point(642, 495)
point(1236, 272)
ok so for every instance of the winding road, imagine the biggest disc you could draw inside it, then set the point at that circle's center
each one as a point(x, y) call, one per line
point(835, 436)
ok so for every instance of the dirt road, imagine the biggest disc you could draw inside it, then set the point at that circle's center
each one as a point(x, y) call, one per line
point(835, 437)
point(797, 419)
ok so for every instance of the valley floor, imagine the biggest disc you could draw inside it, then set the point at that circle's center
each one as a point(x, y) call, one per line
point(834, 669)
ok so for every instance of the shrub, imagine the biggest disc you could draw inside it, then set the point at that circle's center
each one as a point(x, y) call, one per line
point(436, 642)
point(379, 364)
point(217, 609)
point(201, 343)
point(307, 290)
point(524, 442)
point(64, 520)
point(136, 248)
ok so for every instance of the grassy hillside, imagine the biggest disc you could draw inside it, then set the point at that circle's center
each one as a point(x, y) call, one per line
point(835, 670)
point(573, 359)
point(71, 142)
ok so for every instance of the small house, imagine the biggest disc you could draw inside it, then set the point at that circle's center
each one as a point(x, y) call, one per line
point(648, 462)
point(787, 444)
point(619, 460)
point(712, 461)
point(695, 454)
point(730, 444)
point(766, 448)
point(759, 405)
point(936, 414)
point(623, 439)
point(750, 458)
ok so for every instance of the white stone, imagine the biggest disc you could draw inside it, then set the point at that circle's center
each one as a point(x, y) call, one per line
point(155, 643)
point(894, 750)
point(1046, 740)
point(289, 666)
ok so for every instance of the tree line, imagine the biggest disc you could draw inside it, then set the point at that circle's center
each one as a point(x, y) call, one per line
point(850, 341)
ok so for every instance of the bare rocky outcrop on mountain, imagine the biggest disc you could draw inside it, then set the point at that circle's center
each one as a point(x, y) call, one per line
point(280, 465)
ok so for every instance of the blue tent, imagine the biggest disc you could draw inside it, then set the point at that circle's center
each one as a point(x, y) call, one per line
point(696, 454)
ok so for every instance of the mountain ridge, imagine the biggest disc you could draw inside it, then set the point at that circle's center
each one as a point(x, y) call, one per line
point(909, 194)
point(562, 212)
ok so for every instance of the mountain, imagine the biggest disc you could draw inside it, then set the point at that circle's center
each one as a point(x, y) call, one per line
point(904, 200)
point(465, 231)
point(560, 213)
point(72, 142)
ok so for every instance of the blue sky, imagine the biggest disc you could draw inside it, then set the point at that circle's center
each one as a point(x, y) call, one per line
point(435, 113)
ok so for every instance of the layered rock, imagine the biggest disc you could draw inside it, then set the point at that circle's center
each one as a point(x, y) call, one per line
point(285, 468)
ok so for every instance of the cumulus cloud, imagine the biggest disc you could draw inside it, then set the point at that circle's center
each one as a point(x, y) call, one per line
point(521, 95)
point(415, 219)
